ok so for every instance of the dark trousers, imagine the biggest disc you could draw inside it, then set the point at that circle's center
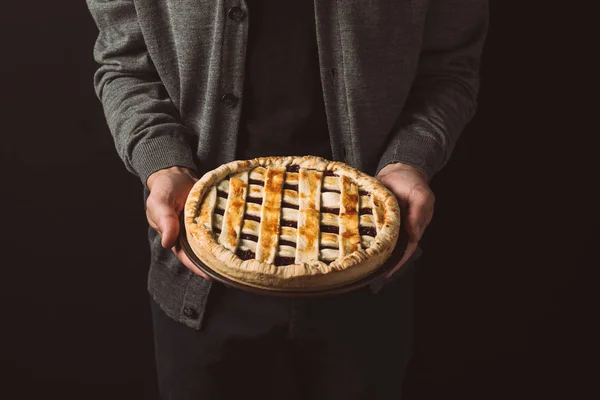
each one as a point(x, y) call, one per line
point(349, 346)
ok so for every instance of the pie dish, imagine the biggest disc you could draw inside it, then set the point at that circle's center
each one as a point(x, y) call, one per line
point(291, 223)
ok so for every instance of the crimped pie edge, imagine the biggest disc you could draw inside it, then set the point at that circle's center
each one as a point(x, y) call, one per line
point(254, 273)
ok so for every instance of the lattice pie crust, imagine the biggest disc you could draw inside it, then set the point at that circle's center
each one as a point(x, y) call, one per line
point(291, 222)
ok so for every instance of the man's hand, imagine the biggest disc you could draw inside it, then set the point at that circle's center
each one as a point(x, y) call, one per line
point(416, 200)
point(169, 189)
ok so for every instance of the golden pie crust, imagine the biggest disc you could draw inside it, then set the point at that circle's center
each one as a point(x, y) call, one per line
point(291, 223)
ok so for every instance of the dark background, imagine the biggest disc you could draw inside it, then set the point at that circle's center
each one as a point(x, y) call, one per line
point(502, 309)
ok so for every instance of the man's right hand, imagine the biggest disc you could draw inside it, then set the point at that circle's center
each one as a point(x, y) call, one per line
point(169, 189)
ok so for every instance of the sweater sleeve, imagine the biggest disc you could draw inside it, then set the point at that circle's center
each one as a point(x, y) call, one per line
point(142, 119)
point(443, 97)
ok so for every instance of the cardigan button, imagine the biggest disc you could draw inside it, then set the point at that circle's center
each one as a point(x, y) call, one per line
point(190, 312)
point(229, 100)
point(236, 13)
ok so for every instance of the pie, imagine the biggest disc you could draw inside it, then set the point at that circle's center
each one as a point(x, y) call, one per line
point(291, 223)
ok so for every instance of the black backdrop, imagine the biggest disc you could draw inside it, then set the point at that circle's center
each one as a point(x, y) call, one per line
point(500, 294)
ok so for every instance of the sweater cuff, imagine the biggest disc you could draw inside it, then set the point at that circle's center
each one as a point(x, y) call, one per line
point(159, 153)
point(416, 149)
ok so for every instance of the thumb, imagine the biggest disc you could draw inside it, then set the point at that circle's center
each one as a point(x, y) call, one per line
point(415, 220)
point(168, 225)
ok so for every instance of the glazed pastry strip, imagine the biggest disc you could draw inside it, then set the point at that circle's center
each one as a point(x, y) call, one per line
point(234, 212)
point(268, 236)
point(378, 213)
point(207, 209)
point(349, 218)
point(331, 183)
point(365, 220)
point(258, 174)
point(309, 201)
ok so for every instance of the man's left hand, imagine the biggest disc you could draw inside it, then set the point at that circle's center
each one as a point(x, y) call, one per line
point(416, 200)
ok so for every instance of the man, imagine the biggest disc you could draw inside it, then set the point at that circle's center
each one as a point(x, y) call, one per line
point(383, 85)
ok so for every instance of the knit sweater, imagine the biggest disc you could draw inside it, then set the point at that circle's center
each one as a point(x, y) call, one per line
point(400, 82)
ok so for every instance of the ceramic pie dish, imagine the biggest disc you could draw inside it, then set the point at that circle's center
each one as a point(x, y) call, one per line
point(291, 223)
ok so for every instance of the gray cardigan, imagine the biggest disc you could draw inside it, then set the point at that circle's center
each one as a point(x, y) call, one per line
point(400, 82)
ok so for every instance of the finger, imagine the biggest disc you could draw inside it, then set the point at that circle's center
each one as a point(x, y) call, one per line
point(410, 249)
point(188, 263)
